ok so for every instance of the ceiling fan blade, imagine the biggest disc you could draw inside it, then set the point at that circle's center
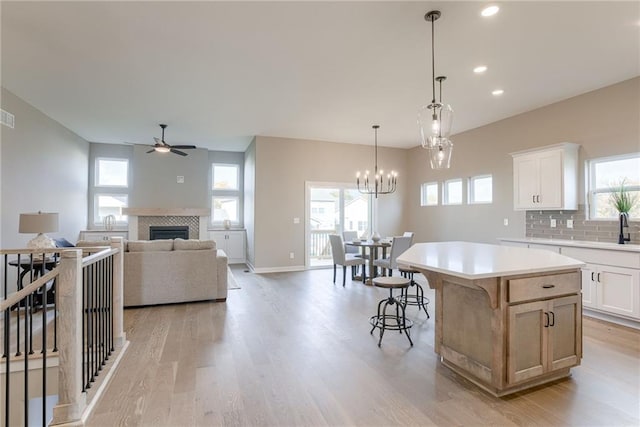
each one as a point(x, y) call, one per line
point(184, 147)
point(151, 151)
point(178, 152)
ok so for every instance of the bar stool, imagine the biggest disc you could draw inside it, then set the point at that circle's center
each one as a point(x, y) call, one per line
point(413, 299)
point(393, 322)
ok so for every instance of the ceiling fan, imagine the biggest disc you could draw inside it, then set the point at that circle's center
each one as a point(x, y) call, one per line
point(162, 147)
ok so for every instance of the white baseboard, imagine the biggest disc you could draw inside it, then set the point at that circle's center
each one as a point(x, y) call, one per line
point(277, 269)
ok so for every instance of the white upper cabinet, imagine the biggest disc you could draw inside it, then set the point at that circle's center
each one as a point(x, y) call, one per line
point(546, 178)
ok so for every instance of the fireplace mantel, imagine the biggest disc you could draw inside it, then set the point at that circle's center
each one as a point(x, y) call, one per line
point(141, 218)
point(166, 211)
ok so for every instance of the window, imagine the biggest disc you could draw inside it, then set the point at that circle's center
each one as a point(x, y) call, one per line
point(112, 172)
point(225, 193)
point(480, 189)
point(605, 175)
point(429, 194)
point(225, 208)
point(226, 177)
point(452, 192)
point(110, 189)
point(109, 204)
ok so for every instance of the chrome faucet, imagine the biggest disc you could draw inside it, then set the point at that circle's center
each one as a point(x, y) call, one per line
point(624, 223)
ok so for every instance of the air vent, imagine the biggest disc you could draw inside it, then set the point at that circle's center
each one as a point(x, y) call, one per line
point(7, 119)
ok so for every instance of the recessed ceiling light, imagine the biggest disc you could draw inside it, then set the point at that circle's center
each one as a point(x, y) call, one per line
point(480, 69)
point(490, 11)
point(497, 92)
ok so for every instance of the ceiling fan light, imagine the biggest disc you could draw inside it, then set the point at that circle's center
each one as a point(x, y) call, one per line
point(162, 149)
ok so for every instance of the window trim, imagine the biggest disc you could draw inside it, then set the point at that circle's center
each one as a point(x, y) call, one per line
point(96, 195)
point(445, 192)
point(96, 177)
point(424, 201)
point(590, 179)
point(225, 196)
point(471, 190)
point(213, 176)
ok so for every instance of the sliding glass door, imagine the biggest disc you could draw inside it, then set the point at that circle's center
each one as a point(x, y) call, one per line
point(332, 208)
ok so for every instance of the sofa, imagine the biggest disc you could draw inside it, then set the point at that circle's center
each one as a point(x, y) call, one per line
point(173, 271)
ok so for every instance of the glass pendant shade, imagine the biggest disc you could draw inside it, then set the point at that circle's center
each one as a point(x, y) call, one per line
point(434, 125)
point(440, 150)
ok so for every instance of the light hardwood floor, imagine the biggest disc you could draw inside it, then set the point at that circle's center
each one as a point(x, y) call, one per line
point(294, 349)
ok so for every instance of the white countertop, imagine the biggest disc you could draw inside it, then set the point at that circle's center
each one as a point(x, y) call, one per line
point(574, 243)
point(480, 260)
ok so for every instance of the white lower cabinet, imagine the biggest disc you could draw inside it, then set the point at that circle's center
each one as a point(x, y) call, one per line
point(232, 242)
point(100, 235)
point(611, 289)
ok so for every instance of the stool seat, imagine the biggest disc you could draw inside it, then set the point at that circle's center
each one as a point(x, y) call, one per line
point(391, 282)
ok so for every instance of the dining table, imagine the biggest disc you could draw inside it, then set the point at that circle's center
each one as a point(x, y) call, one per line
point(372, 247)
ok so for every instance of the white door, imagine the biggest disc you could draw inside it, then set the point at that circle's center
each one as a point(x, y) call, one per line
point(617, 290)
point(550, 178)
point(332, 208)
point(526, 181)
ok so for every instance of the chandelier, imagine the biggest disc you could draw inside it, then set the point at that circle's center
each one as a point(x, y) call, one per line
point(434, 119)
point(379, 184)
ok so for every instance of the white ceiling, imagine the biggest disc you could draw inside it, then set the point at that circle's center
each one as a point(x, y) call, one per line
point(219, 73)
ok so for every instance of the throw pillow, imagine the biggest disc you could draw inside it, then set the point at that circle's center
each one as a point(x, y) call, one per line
point(193, 244)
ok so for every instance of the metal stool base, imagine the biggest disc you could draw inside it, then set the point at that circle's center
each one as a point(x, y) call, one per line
point(418, 299)
point(392, 322)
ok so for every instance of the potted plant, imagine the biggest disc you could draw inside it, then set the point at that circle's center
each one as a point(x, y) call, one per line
point(623, 201)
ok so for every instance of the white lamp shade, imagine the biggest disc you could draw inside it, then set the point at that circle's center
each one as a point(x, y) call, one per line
point(41, 222)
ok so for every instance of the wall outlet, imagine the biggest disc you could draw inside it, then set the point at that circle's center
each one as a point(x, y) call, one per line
point(569, 223)
point(296, 220)
point(180, 179)
point(291, 255)
point(505, 221)
point(553, 223)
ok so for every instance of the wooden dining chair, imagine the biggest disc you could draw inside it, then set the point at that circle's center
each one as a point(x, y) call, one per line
point(343, 259)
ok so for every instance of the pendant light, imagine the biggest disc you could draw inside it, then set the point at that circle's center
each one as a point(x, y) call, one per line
point(380, 184)
point(435, 118)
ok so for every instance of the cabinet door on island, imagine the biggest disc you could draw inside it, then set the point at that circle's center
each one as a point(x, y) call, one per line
point(543, 336)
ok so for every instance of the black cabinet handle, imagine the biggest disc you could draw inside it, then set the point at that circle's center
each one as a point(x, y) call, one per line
point(592, 273)
point(533, 199)
point(553, 318)
point(548, 286)
point(598, 277)
point(538, 198)
point(546, 319)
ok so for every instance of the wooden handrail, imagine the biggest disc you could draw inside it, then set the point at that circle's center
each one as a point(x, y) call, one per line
point(93, 258)
point(28, 290)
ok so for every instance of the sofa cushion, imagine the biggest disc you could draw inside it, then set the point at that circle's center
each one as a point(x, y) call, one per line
point(150, 245)
point(193, 244)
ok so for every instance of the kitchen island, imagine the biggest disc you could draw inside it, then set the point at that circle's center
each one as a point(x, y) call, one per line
point(507, 318)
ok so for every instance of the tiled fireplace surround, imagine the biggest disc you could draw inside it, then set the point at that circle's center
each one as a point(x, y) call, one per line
point(538, 224)
point(140, 219)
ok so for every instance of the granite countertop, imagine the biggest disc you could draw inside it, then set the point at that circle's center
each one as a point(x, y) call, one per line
point(480, 260)
point(574, 243)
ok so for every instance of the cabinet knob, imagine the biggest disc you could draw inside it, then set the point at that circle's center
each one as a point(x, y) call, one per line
point(548, 286)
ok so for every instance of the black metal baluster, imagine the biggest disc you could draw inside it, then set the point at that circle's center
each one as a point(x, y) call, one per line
point(55, 313)
point(89, 327)
point(7, 382)
point(44, 355)
point(111, 304)
point(26, 359)
point(95, 322)
point(23, 301)
point(103, 311)
point(32, 300)
point(84, 330)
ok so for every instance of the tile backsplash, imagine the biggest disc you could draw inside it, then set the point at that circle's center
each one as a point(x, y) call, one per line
point(538, 224)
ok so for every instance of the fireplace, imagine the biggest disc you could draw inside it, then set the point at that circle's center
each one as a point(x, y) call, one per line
point(140, 219)
point(168, 232)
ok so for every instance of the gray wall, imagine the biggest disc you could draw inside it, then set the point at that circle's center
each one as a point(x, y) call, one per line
point(249, 199)
point(604, 122)
point(155, 179)
point(283, 166)
point(44, 168)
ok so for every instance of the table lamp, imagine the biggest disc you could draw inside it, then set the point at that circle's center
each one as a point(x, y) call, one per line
point(40, 223)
